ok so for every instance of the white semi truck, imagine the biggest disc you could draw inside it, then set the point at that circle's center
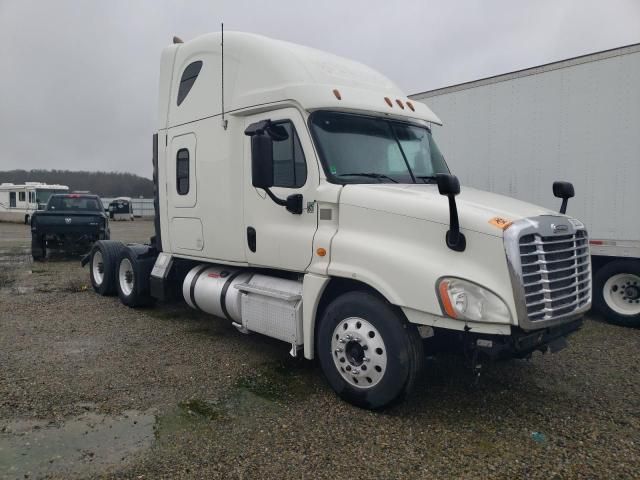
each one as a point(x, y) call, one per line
point(578, 119)
point(301, 196)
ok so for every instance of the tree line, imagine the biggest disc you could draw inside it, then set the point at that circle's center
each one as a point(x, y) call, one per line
point(105, 184)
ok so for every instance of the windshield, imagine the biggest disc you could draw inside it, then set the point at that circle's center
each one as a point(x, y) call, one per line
point(362, 149)
point(74, 202)
point(42, 196)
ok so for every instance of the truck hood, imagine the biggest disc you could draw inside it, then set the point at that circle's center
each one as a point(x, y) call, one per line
point(479, 211)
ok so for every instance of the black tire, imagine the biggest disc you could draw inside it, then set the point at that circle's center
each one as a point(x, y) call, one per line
point(132, 279)
point(108, 251)
point(629, 267)
point(38, 247)
point(26, 220)
point(404, 351)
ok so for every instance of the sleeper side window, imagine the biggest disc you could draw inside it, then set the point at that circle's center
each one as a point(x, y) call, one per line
point(289, 163)
point(182, 171)
point(21, 196)
point(32, 197)
point(188, 79)
point(12, 199)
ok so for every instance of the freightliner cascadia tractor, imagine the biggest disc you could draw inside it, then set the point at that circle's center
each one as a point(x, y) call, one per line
point(301, 196)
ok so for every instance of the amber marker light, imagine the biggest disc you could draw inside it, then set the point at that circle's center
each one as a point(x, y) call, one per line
point(444, 297)
point(336, 92)
point(410, 105)
point(389, 102)
point(321, 252)
point(400, 104)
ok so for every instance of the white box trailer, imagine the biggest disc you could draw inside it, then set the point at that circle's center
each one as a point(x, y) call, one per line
point(577, 119)
point(19, 202)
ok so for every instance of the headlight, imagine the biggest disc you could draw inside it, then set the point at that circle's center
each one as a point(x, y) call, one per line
point(465, 300)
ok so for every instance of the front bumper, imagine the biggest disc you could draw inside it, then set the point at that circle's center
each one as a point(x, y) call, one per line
point(521, 343)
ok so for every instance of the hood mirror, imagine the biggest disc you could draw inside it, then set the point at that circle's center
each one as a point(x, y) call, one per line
point(449, 185)
point(565, 191)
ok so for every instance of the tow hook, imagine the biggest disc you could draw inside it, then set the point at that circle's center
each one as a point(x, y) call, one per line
point(476, 368)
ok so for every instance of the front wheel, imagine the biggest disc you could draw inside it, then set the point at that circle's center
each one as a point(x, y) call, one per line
point(370, 355)
point(617, 292)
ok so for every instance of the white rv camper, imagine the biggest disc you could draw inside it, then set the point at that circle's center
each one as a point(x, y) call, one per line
point(18, 202)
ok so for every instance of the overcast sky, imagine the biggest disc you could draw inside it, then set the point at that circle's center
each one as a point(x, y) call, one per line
point(79, 79)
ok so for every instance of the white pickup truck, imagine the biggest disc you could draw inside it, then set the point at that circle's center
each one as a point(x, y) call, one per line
point(301, 195)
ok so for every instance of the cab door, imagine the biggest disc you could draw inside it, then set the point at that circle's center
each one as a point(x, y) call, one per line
point(275, 237)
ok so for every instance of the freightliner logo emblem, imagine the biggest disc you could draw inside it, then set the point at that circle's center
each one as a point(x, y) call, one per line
point(559, 228)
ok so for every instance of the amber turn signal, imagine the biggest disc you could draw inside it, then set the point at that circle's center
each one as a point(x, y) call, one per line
point(444, 297)
point(321, 252)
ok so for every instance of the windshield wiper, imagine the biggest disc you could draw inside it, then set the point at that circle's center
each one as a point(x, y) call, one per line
point(369, 175)
point(428, 178)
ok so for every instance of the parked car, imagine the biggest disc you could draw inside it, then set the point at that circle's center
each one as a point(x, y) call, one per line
point(121, 208)
point(70, 222)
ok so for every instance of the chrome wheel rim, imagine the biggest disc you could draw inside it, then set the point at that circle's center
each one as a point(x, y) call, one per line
point(622, 293)
point(97, 267)
point(126, 277)
point(359, 352)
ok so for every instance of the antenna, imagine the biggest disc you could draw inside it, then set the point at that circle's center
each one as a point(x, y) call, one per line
point(224, 122)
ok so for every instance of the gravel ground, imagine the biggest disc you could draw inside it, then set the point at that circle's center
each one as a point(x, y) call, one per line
point(91, 388)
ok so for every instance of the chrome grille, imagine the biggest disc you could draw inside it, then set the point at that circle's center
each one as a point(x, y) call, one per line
point(556, 274)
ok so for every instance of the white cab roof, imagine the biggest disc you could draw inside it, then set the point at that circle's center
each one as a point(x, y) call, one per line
point(260, 70)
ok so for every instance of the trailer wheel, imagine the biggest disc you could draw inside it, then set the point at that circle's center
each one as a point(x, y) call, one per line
point(370, 355)
point(102, 265)
point(38, 247)
point(133, 279)
point(617, 292)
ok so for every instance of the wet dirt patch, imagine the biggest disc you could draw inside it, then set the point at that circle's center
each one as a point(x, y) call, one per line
point(13, 261)
point(85, 445)
point(7, 277)
point(283, 380)
point(195, 415)
point(265, 391)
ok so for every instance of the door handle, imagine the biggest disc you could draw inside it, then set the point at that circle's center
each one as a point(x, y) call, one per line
point(251, 238)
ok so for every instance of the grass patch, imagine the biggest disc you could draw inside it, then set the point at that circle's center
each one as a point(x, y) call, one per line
point(75, 285)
